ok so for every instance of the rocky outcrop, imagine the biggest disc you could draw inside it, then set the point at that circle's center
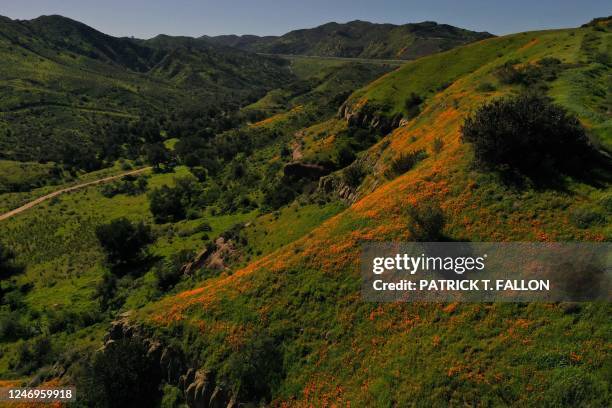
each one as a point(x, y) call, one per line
point(199, 387)
point(215, 256)
point(336, 184)
point(367, 117)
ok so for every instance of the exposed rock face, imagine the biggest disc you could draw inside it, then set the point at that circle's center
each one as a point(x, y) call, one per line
point(199, 389)
point(362, 117)
point(198, 386)
point(336, 184)
point(215, 256)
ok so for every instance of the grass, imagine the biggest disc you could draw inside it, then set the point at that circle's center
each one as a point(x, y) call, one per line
point(336, 348)
point(298, 282)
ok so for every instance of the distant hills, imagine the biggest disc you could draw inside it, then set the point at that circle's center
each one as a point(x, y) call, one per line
point(61, 80)
point(358, 39)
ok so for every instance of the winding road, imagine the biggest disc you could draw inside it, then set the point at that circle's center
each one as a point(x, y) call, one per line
point(67, 190)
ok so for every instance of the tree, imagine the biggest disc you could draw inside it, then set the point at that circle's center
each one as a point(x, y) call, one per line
point(158, 154)
point(169, 204)
point(8, 267)
point(166, 206)
point(528, 134)
point(123, 240)
point(122, 375)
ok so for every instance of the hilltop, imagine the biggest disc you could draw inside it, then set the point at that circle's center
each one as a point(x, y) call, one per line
point(358, 39)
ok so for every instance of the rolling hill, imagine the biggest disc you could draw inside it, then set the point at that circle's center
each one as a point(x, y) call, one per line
point(252, 294)
point(62, 81)
point(358, 39)
point(301, 302)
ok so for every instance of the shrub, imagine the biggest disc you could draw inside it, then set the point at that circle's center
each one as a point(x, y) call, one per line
point(105, 292)
point(129, 185)
point(169, 272)
point(353, 175)
point(8, 267)
point(32, 354)
point(123, 240)
point(511, 73)
point(165, 205)
point(413, 105)
point(586, 217)
point(256, 369)
point(345, 156)
point(486, 87)
point(426, 222)
point(170, 204)
point(404, 162)
point(121, 376)
point(157, 155)
point(437, 145)
point(526, 133)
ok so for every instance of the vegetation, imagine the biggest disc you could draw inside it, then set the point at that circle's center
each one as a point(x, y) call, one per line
point(246, 238)
point(123, 240)
point(358, 39)
point(122, 376)
point(426, 222)
point(404, 162)
point(529, 134)
point(129, 185)
point(7, 266)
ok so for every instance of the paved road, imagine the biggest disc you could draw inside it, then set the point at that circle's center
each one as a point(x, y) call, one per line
point(67, 190)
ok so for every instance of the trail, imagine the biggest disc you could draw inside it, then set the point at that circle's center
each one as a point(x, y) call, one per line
point(67, 190)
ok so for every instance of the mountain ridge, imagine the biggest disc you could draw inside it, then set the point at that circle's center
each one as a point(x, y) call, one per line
point(358, 39)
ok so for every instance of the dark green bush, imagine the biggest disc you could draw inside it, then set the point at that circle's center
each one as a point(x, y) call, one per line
point(169, 272)
point(166, 206)
point(586, 217)
point(512, 73)
point(353, 175)
point(171, 204)
point(256, 369)
point(437, 145)
point(405, 162)
point(8, 267)
point(426, 222)
point(128, 185)
point(122, 375)
point(123, 241)
point(528, 134)
point(412, 105)
point(486, 87)
point(32, 354)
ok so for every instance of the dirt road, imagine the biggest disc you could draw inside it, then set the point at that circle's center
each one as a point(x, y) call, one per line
point(67, 190)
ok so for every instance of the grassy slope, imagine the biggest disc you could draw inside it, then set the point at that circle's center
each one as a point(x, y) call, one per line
point(64, 262)
point(336, 348)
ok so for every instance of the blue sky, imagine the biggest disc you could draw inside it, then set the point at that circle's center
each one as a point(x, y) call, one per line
point(146, 18)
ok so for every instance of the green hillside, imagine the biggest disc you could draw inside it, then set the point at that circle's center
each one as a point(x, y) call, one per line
point(243, 282)
point(302, 305)
point(358, 39)
point(64, 83)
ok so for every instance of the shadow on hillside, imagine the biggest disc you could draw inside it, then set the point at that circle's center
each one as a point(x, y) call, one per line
point(595, 171)
point(136, 269)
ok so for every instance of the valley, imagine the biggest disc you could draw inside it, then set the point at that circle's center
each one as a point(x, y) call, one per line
point(182, 217)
